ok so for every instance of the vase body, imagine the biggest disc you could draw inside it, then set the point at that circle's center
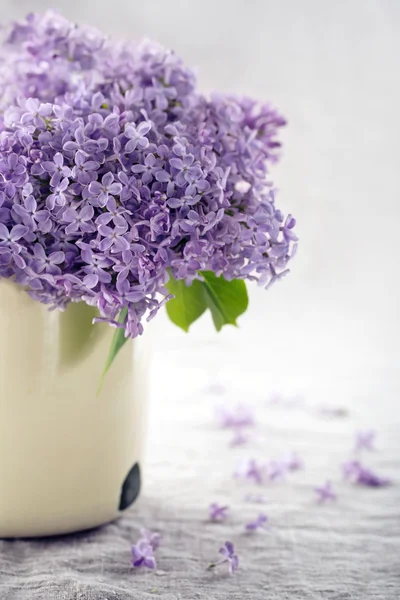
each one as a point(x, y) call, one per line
point(70, 457)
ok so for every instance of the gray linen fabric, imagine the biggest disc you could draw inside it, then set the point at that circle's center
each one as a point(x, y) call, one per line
point(347, 550)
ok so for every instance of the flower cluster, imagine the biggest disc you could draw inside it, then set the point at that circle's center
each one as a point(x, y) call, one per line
point(115, 172)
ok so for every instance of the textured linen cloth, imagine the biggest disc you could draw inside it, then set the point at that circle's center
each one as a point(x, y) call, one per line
point(348, 549)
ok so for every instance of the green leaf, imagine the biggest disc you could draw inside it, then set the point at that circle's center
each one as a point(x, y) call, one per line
point(117, 342)
point(227, 300)
point(189, 302)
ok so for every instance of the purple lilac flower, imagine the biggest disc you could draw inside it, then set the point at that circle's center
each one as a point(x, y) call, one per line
point(325, 492)
point(260, 522)
point(364, 440)
point(116, 164)
point(252, 470)
point(236, 417)
point(218, 512)
point(360, 475)
point(142, 555)
point(152, 538)
point(229, 556)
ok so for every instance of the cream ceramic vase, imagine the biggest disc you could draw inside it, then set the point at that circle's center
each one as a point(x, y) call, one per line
point(69, 459)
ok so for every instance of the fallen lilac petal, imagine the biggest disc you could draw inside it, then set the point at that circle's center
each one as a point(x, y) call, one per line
point(253, 471)
point(325, 492)
point(229, 556)
point(142, 555)
point(371, 479)
point(218, 512)
point(260, 522)
point(360, 475)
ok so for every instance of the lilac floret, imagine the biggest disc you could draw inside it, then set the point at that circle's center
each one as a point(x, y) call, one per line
point(354, 471)
point(143, 555)
point(229, 556)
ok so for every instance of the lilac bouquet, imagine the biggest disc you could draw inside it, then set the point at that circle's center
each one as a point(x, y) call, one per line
point(123, 187)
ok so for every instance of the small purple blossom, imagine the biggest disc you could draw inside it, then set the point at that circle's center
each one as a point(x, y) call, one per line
point(56, 165)
point(48, 263)
point(360, 475)
point(143, 555)
point(325, 492)
point(364, 440)
point(260, 522)
point(218, 512)
point(137, 136)
point(102, 191)
point(252, 470)
point(229, 556)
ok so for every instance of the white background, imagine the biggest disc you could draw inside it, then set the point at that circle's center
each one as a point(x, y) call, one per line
point(333, 71)
point(332, 68)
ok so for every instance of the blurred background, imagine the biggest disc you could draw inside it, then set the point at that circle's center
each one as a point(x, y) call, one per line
point(332, 70)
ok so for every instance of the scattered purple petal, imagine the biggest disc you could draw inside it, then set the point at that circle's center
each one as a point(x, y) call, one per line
point(360, 475)
point(325, 492)
point(142, 555)
point(228, 552)
point(253, 471)
point(218, 512)
point(260, 522)
point(365, 440)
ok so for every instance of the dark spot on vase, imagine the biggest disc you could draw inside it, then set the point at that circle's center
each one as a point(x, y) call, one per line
point(130, 488)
